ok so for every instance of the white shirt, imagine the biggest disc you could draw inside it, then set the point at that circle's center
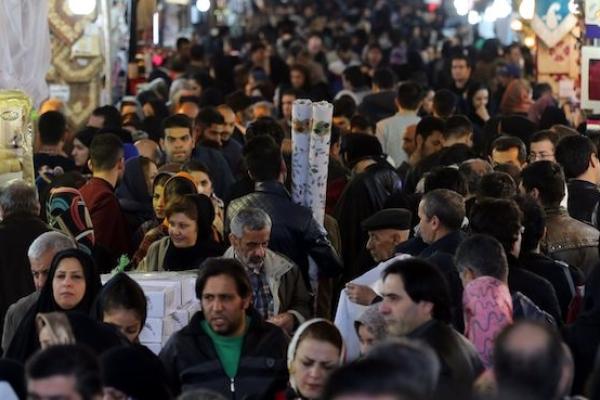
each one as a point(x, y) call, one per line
point(390, 132)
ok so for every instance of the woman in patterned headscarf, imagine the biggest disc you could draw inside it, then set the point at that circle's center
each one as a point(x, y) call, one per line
point(487, 306)
point(68, 213)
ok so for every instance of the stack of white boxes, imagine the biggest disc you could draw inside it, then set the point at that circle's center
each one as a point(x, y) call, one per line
point(172, 302)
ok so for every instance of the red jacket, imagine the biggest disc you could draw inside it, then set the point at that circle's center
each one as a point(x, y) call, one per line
point(110, 226)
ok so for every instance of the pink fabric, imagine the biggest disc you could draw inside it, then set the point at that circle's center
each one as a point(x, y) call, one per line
point(537, 109)
point(487, 307)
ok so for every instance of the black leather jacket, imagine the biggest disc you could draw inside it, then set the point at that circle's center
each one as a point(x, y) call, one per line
point(583, 199)
point(191, 361)
point(294, 233)
point(460, 363)
point(570, 240)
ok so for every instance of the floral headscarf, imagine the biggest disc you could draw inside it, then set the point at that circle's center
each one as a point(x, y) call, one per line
point(487, 306)
point(68, 213)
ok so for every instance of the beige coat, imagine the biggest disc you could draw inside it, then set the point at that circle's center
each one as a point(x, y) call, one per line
point(287, 286)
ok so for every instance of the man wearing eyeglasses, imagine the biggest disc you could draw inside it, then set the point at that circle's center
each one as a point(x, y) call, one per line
point(542, 146)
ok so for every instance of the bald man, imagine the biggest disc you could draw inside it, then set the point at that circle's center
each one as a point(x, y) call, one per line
point(149, 149)
point(232, 149)
point(528, 360)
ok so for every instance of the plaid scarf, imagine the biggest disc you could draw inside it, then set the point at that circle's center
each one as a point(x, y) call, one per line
point(262, 297)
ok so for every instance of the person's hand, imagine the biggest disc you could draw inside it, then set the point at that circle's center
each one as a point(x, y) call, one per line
point(360, 294)
point(284, 320)
point(483, 113)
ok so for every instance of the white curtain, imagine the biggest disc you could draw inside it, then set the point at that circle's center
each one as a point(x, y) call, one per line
point(25, 52)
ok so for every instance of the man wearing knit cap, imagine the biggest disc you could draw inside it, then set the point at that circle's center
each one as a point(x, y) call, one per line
point(386, 229)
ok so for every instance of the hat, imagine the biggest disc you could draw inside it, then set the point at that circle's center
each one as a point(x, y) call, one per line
point(389, 218)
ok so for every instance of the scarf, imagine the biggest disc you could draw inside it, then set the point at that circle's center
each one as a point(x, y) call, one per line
point(186, 258)
point(487, 306)
point(516, 98)
point(25, 341)
point(295, 342)
point(133, 192)
point(68, 213)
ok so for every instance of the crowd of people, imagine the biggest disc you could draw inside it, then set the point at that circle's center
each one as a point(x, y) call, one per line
point(458, 256)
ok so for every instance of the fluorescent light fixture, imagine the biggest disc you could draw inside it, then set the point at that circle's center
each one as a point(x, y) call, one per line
point(155, 28)
point(203, 5)
point(81, 7)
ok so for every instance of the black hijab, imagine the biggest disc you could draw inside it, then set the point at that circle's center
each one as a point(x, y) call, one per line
point(133, 192)
point(135, 371)
point(181, 259)
point(25, 341)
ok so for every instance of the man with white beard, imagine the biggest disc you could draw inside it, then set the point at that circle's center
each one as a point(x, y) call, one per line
point(387, 229)
point(279, 293)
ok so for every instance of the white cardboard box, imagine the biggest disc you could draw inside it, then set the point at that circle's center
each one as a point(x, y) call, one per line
point(161, 300)
point(153, 347)
point(175, 321)
point(188, 288)
point(152, 331)
point(174, 284)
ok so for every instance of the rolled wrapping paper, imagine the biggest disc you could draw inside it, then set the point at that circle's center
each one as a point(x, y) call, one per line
point(16, 137)
point(320, 137)
point(301, 124)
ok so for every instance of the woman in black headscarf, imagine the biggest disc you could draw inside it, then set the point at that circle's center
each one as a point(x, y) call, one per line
point(191, 238)
point(72, 286)
point(135, 191)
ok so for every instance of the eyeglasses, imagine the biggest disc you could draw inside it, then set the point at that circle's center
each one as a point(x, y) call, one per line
point(540, 156)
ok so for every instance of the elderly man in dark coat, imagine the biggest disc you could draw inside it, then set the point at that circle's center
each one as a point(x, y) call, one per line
point(20, 225)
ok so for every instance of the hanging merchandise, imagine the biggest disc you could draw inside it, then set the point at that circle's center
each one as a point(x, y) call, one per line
point(553, 20)
point(301, 118)
point(16, 136)
point(25, 47)
point(592, 19)
point(320, 137)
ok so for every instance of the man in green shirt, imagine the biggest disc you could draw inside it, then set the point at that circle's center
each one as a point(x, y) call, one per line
point(227, 347)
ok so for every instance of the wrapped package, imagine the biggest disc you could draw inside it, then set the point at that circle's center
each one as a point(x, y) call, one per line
point(320, 137)
point(301, 121)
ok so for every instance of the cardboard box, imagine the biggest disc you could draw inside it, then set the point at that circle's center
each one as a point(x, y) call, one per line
point(175, 321)
point(188, 288)
point(174, 285)
point(152, 331)
point(160, 299)
point(154, 347)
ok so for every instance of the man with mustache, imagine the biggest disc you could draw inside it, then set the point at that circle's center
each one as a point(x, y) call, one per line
point(227, 347)
point(279, 291)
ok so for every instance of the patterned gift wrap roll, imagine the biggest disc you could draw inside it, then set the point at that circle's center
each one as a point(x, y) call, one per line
point(301, 124)
point(320, 138)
